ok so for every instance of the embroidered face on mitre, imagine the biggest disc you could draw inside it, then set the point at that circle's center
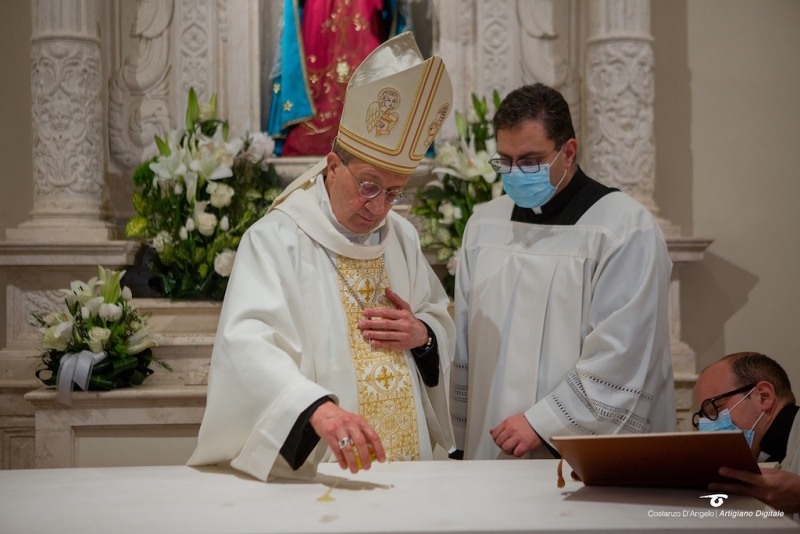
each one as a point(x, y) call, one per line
point(395, 105)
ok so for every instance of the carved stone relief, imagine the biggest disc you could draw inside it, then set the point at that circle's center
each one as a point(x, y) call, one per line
point(138, 105)
point(67, 126)
point(195, 57)
point(548, 49)
point(619, 106)
point(496, 36)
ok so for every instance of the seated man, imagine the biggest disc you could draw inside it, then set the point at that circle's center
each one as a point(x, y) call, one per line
point(751, 392)
point(334, 325)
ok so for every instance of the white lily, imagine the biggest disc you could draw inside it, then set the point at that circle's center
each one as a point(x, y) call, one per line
point(174, 138)
point(141, 340)
point(207, 165)
point(80, 291)
point(168, 167)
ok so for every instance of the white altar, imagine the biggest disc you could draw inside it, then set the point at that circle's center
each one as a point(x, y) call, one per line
point(445, 497)
point(107, 76)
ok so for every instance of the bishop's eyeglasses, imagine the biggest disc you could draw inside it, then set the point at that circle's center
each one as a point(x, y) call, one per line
point(709, 408)
point(370, 190)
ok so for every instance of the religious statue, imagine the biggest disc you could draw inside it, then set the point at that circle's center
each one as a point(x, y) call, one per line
point(323, 42)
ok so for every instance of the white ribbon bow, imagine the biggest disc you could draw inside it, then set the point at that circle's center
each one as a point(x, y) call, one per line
point(75, 367)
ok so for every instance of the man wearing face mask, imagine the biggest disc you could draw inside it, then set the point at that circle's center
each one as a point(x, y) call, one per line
point(750, 392)
point(561, 299)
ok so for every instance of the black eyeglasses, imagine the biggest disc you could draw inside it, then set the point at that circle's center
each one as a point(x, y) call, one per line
point(709, 408)
point(371, 190)
point(526, 165)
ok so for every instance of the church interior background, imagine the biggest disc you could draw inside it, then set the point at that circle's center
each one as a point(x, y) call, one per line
point(713, 84)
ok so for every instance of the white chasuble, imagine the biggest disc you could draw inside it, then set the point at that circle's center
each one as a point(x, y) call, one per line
point(386, 386)
point(565, 324)
point(285, 339)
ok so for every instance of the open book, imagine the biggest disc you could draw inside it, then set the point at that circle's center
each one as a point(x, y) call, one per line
point(673, 459)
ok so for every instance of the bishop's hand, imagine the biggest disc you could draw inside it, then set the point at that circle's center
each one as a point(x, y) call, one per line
point(386, 328)
point(335, 425)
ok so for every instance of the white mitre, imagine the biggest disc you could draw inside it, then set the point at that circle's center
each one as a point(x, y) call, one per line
point(394, 106)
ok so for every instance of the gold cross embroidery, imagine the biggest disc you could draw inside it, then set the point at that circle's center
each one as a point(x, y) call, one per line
point(385, 377)
point(367, 290)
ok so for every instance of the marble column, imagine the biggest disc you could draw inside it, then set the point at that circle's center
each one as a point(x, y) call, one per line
point(619, 87)
point(68, 150)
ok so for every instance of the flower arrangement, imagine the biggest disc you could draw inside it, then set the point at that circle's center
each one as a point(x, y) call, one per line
point(197, 198)
point(465, 180)
point(99, 334)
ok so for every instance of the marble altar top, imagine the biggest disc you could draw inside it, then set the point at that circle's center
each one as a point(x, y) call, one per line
point(443, 496)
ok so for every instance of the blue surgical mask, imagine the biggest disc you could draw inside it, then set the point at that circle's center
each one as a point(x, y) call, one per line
point(724, 422)
point(531, 189)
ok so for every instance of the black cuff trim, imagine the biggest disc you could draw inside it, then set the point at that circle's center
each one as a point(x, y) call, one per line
point(302, 439)
point(427, 359)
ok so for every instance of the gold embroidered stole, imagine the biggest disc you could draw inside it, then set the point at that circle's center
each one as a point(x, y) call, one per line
point(385, 387)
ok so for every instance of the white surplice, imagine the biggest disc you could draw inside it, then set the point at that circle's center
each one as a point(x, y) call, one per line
point(566, 324)
point(283, 341)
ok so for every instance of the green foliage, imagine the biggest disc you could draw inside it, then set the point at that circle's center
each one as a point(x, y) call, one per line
point(136, 227)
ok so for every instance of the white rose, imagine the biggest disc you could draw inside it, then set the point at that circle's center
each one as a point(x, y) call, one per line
point(160, 240)
point(177, 189)
point(190, 225)
point(206, 223)
point(448, 211)
point(223, 262)
point(472, 116)
point(457, 213)
point(221, 194)
point(85, 312)
point(110, 312)
point(261, 146)
point(183, 233)
point(126, 293)
point(97, 337)
point(224, 224)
